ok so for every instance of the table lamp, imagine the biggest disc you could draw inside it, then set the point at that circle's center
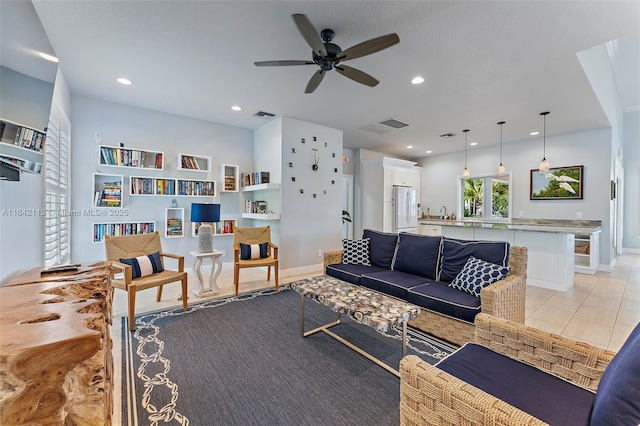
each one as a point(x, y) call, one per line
point(205, 214)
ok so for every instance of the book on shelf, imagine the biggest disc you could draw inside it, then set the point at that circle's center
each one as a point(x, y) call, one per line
point(2, 126)
point(174, 226)
point(190, 162)
point(158, 161)
point(229, 183)
point(255, 178)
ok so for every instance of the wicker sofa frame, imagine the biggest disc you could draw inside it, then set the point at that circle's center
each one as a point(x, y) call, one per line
point(503, 299)
point(430, 396)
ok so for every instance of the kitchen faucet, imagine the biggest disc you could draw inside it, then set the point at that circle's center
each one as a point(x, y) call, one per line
point(445, 212)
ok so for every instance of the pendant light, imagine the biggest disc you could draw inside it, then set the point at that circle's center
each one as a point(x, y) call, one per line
point(544, 164)
point(465, 172)
point(501, 170)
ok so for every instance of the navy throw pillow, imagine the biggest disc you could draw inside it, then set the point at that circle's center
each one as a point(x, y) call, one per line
point(142, 266)
point(417, 255)
point(382, 247)
point(618, 397)
point(254, 251)
point(455, 254)
point(478, 274)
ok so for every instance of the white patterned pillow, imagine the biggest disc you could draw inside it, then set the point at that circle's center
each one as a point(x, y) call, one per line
point(356, 252)
point(477, 274)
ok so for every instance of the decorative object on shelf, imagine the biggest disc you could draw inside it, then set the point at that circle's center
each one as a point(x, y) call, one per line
point(559, 183)
point(544, 164)
point(501, 170)
point(465, 172)
point(174, 203)
point(205, 214)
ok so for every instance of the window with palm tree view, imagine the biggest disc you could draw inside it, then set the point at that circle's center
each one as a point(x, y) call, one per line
point(486, 197)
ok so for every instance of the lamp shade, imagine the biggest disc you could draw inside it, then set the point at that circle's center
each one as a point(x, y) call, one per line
point(205, 212)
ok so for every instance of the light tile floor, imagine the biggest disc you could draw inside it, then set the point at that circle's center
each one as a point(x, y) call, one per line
point(600, 309)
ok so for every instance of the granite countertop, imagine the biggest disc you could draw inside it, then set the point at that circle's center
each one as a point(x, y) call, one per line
point(536, 225)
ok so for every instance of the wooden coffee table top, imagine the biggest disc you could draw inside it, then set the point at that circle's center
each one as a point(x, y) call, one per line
point(361, 304)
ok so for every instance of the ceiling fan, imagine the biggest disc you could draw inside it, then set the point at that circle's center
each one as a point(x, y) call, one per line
point(330, 56)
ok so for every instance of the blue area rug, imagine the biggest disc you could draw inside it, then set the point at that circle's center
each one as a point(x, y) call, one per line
point(242, 361)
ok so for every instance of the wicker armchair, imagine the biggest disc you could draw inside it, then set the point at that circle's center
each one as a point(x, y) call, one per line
point(503, 299)
point(430, 396)
point(254, 236)
point(129, 246)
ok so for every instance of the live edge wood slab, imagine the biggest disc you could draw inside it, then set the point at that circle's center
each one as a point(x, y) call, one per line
point(55, 348)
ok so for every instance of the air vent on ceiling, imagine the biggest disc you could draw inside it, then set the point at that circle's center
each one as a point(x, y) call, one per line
point(448, 135)
point(264, 115)
point(396, 124)
point(376, 129)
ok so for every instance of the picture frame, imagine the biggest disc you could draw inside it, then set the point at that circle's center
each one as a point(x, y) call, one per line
point(559, 183)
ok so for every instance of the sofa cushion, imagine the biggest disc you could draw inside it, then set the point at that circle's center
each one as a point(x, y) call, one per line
point(356, 252)
point(618, 400)
point(382, 247)
point(542, 395)
point(350, 273)
point(456, 252)
point(478, 274)
point(439, 297)
point(393, 283)
point(418, 255)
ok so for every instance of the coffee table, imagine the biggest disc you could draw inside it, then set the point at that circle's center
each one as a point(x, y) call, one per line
point(363, 305)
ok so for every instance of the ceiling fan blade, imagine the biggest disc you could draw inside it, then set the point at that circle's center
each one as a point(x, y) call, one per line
point(281, 63)
point(309, 33)
point(315, 81)
point(357, 75)
point(368, 47)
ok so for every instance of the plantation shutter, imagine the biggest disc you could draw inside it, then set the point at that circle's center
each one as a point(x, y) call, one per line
point(57, 248)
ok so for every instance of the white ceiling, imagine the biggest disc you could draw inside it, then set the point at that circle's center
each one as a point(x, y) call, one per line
point(483, 62)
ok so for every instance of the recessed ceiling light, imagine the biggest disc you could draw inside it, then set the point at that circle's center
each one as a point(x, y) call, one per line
point(236, 108)
point(124, 81)
point(429, 152)
point(417, 80)
point(409, 146)
point(534, 133)
point(48, 57)
point(473, 143)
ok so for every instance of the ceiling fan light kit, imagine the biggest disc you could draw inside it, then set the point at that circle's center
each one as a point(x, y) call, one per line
point(329, 56)
point(501, 169)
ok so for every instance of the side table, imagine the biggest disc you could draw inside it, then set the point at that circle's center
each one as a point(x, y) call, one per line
point(216, 268)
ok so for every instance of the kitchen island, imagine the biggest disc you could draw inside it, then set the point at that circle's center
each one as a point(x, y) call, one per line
point(551, 244)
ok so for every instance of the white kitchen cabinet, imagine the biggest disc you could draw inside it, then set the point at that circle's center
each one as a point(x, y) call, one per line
point(377, 179)
point(587, 253)
point(431, 230)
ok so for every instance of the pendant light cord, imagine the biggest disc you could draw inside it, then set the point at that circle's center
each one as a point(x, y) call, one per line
point(544, 134)
point(501, 123)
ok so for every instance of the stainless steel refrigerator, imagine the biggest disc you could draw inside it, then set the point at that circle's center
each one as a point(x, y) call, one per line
point(405, 209)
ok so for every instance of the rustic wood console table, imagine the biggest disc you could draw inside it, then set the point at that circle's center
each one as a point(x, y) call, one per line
point(55, 348)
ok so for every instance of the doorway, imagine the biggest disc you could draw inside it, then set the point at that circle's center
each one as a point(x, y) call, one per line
point(347, 206)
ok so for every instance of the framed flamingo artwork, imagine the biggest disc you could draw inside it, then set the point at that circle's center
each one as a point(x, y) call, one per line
point(559, 183)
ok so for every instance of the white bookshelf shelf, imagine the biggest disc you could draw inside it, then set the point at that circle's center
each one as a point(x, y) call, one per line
point(194, 163)
point(261, 216)
point(261, 187)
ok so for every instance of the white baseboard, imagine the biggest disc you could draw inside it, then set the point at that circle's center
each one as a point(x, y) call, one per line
point(284, 273)
point(631, 250)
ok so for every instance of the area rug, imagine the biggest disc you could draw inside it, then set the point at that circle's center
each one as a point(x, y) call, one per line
point(242, 361)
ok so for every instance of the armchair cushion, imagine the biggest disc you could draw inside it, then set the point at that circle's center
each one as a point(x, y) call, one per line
point(142, 266)
point(617, 400)
point(477, 274)
point(254, 251)
point(356, 252)
point(544, 396)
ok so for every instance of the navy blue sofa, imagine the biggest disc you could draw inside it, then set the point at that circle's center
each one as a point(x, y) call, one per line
point(419, 269)
point(519, 375)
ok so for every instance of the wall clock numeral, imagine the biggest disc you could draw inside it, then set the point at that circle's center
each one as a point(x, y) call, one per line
point(333, 154)
point(325, 144)
point(293, 179)
point(314, 195)
point(314, 139)
point(325, 192)
point(293, 150)
point(333, 182)
point(290, 164)
point(303, 141)
point(302, 191)
point(335, 170)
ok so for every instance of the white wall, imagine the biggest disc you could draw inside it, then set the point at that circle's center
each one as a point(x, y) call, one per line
point(172, 134)
point(631, 156)
point(25, 100)
point(591, 149)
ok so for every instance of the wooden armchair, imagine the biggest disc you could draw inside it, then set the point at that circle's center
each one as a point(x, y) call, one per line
point(131, 246)
point(254, 236)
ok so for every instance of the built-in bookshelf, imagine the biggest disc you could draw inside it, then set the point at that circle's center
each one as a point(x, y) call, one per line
point(224, 227)
point(130, 157)
point(174, 222)
point(257, 209)
point(121, 228)
point(261, 187)
point(145, 185)
point(196, 188)
point(107, 190)
point(230, 177)
point(194, 162)
point(254, 178)
point(21, 146)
